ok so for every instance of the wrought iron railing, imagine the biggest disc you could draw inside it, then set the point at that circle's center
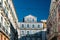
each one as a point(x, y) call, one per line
point(3, 29)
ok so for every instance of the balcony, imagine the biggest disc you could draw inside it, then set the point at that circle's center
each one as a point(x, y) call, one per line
point(3, 30)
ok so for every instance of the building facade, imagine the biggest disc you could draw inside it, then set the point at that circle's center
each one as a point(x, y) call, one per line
point(4, 27)
point(8, 20)
point(44, 31)
point(53, 22)
point(30, 29)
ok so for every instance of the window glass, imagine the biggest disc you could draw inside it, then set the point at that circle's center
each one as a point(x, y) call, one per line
point(23, 32)
point(2, 19)
point(55, 12)
point(22, 25)
point(27, 32)
point(0, 3)
point(7, 1)
point(28, 38)
point(33, 20)
point(27, 25)
point(33, 26)
point(38, 26)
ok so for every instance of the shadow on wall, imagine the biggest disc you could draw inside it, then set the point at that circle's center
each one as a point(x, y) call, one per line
point(37, 36)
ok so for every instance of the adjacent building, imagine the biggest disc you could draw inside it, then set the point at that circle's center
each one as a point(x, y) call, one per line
point(30, 29)
point(53, 22)
point(8, 21)
point(44, 31)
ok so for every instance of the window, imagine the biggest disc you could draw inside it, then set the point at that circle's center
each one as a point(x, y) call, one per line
point(33, 26)
point(27, 32)
point(7, 1)
point(0, 3)
point(7, 14)
point(9, 5)
point(56, 0)
point(22, 25)
point(27, 25)
point(28, 39)
point(22, 32)
point(54, 13)
point(38, 26)
point(2, 19)
point(33, 20)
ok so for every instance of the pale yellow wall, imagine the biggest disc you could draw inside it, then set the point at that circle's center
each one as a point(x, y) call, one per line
point(44, 25)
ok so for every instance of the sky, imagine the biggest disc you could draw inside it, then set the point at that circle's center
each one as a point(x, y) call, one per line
point(37, 8)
